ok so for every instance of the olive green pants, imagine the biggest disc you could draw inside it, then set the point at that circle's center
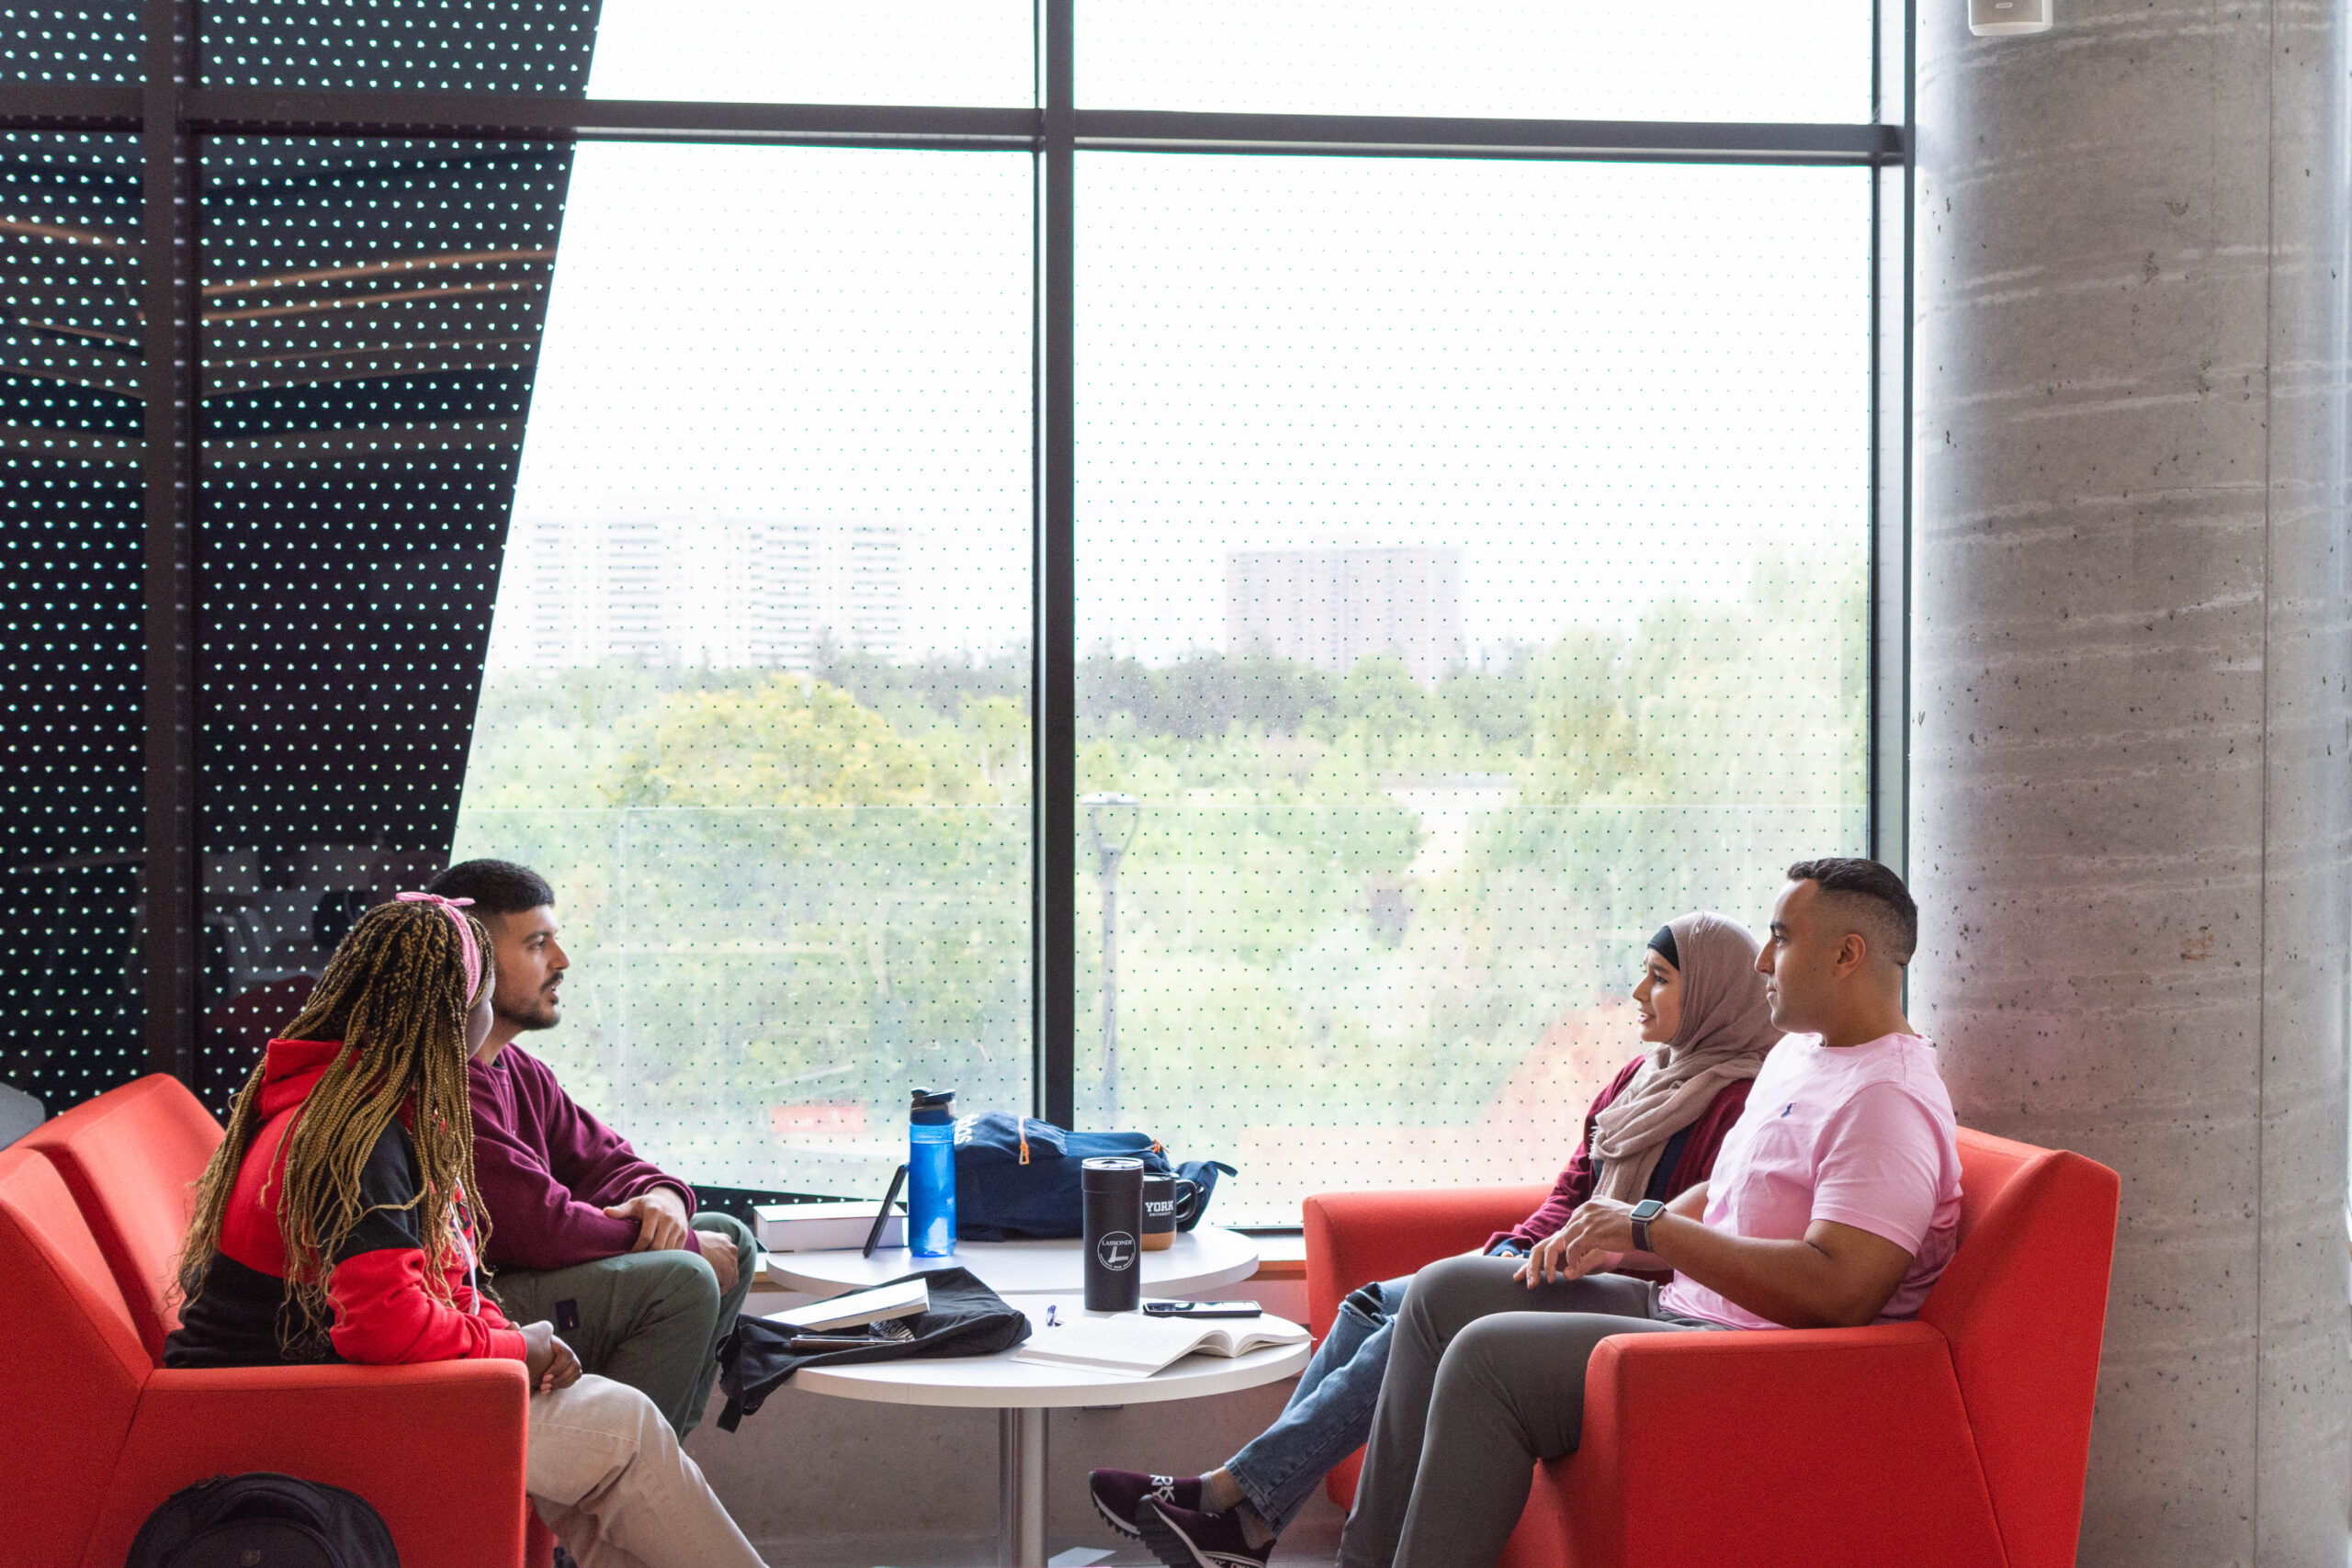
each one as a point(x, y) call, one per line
point(653, 1320)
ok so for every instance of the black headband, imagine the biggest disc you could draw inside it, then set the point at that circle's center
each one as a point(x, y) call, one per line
point(1663, 945)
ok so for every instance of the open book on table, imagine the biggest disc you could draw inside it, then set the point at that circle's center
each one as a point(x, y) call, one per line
point(1133, 1346)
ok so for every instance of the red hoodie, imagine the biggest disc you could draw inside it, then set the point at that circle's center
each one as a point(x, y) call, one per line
point(375, 1278)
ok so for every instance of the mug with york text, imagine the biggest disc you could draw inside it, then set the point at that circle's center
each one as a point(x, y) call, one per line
point(1168, 1202)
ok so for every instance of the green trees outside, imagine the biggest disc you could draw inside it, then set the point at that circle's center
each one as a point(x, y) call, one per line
point(1355, 901)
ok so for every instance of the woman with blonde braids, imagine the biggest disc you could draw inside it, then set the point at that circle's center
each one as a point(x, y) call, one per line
point(333, 1225)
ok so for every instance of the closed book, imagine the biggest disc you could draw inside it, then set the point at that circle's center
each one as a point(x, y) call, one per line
point(825, 1227)
point(908, 1298)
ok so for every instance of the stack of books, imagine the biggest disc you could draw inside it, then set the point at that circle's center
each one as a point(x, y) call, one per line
point(825, 1227)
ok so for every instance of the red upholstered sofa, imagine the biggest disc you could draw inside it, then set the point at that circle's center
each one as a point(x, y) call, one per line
point(92, 1208)
point(1960, 1439)
point(131, 1157)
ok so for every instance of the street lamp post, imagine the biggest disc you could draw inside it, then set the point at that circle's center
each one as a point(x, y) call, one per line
point(1111, 823)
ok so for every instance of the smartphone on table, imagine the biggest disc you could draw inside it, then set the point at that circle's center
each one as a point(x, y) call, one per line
point(1200, 1309)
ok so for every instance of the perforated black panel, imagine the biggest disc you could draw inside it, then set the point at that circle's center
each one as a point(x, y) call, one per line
point(70, 43)
point(431, 45)
point(372, 314)
point(70, 640)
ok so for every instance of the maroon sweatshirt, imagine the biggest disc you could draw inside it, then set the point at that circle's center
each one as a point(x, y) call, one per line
point(548, 1170)
point(1701, 1141)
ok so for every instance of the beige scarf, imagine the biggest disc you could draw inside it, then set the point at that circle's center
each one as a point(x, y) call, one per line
point(1726, 1028)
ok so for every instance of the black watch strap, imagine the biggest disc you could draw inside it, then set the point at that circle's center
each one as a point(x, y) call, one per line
point(1644, 1211)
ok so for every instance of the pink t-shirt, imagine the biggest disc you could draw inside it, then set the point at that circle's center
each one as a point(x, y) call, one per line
point(1861, 1136)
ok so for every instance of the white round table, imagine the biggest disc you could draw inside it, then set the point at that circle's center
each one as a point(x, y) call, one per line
point(1200, 1259)
point(1021, 1392)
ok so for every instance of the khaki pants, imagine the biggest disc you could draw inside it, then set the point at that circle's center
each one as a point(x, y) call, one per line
point(653, 1320)
point(606, 1473)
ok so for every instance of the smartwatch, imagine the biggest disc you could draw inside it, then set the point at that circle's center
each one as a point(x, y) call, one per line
point(1644, 1211)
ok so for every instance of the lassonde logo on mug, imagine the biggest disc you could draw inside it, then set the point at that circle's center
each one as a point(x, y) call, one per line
point(1115, 1250)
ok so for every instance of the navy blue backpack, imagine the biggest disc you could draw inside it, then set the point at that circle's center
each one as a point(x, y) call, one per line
point(1016, 1177)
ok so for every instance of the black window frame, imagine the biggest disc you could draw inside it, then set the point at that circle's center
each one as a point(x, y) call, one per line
point(171, 109)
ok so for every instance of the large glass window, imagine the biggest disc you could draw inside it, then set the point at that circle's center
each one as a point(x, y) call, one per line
point(757, 698)
point(707, 450)
point(1693, 60)
point(960, 52)
point(1472, 577)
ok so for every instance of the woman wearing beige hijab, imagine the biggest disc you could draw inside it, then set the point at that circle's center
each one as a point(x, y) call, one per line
point(1653, 1132)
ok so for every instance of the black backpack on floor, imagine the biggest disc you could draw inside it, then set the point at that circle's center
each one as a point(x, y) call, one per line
point(263, 1521)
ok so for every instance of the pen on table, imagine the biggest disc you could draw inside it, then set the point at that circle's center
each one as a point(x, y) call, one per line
point(1051, 1321)
point(802, 1344)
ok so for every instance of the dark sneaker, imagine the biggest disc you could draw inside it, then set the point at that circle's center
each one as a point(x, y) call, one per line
point(1117, 1493)
point(1183, 1539)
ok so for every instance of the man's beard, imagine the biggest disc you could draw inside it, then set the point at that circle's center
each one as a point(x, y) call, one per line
point(545, 1016)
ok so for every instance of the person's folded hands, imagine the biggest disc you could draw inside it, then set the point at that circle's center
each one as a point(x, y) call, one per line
point(660, 1216)
point(1543, 1258)
point(563, 1368)
point(1597, 1238)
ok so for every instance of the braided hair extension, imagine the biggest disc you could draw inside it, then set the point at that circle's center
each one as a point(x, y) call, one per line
point(395, 990)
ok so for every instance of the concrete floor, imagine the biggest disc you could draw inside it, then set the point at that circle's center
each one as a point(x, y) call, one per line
point(1313, 1541)
point(819, 1483)
point(822, 1483)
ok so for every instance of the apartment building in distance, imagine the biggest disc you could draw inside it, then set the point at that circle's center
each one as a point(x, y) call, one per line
point(726, 591)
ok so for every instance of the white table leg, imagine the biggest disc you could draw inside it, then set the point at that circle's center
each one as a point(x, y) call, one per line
point(1020, 1488)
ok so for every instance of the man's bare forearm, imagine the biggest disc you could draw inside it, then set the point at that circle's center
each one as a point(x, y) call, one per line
point(1793, 1283)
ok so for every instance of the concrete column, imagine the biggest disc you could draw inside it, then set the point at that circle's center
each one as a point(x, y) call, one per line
point(2131, 719)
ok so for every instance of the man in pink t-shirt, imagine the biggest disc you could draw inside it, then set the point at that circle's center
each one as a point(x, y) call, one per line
point(1834, 1204)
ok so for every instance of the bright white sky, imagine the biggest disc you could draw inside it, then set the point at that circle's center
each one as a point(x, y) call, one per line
point(1604, 381)
point(1535, 59)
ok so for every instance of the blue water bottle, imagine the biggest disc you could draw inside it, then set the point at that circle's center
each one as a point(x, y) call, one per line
point(931, 1174)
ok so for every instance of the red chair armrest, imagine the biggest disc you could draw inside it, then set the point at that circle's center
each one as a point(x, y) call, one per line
point(1842, 1445)
point(1353, 1238)
point(437, 1450)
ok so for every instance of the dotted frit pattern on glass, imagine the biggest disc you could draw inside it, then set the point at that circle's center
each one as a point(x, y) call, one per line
point(971, 52)
point(371, 321)
point(88, 44)
point(757, 698)
point(70, 530)
point(423, 45)
point(1472, 562)
point(1701, 60)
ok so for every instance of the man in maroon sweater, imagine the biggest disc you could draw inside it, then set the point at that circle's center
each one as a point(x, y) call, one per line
point(583, 1232)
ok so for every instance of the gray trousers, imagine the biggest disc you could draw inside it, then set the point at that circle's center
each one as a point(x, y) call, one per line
point(1484, 1378)
point(653, 1320)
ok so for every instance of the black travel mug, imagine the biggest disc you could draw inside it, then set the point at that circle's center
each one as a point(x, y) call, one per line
point(1113, 1189)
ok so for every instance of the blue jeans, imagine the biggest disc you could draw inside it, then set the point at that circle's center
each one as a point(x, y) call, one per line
point(1330, 1414)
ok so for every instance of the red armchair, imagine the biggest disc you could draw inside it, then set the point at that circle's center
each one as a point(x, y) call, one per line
point(131, 1157)
point(1960, 1439)
point(439, 1450)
